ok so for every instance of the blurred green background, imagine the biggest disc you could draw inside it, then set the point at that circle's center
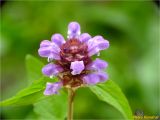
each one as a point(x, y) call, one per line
point(132, 29)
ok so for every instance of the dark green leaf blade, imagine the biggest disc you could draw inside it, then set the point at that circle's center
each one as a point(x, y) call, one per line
point(110, 93)
point(34, 67)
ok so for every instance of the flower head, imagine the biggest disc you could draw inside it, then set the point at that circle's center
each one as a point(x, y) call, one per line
point(70, 60)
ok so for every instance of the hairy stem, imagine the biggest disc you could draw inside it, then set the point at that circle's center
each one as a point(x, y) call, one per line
point(71, 94)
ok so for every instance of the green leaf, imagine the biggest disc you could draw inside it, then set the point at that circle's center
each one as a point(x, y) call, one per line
point(28, 95)
point(110, 93)
point(52, 108)
point(34, 92)
point(34, 68)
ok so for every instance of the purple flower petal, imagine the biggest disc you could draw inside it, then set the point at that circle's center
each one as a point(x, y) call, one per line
point(98, 64)
point(51, 69)
point(96, 44)
point(91, 79)
point(44, 51)
point(84, 37)
point(58, 39)
point(49, 49)
point(53, 56)
point(73, 30)
point(102, 76)
point(52, 88)
point(77, 67)
point(55, 48)
point(95, 78)
point(45, 43)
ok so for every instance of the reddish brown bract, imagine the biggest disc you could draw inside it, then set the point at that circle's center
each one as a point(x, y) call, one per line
point(72, 50)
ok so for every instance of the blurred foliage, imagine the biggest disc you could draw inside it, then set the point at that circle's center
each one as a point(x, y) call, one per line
point(131, 27)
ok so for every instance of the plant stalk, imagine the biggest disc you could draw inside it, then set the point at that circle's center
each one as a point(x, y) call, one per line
point(71, 94)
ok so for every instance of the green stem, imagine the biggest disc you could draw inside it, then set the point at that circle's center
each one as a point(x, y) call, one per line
point(71, 94)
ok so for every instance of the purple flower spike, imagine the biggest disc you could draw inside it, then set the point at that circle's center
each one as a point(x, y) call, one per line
point(51, 69)
point(58, 39)
point(77, 67)
point(52, 88)
point(73, 30)
point(71, 60)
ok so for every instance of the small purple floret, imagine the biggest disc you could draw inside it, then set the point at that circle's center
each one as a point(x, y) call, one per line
point(52, 88)
point(95, 78)
point(51, 69)
point(49, 49)
point(84, 37)
point(58, 39)
point(97, 44)
point(77, 67)
point(98, 64)
point(73, 30)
